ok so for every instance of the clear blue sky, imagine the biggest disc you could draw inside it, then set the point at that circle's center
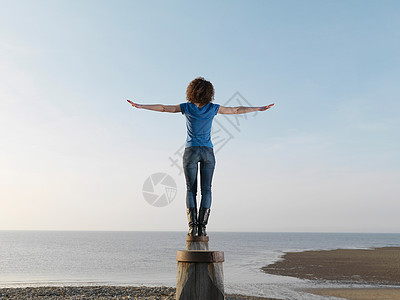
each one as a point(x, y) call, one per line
point(74, 155)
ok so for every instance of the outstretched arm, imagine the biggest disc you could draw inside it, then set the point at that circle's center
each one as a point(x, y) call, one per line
point(157, 107)
point(241, 109)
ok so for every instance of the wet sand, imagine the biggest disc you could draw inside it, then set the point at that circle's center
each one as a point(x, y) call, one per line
point(377, 267)
point(374, 266)
point(359, 294)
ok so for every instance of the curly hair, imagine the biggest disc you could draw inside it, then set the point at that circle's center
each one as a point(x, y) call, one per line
point(200, 91)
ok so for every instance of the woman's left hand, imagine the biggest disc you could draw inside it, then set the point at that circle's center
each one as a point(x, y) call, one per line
point(263, 108)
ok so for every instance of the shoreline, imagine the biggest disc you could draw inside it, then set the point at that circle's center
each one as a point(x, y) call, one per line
point(102, 292)
point(359, 274)
point(376, 266)
point(379, 268)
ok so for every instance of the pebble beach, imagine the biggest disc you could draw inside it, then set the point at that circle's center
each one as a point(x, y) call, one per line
point(100, 292)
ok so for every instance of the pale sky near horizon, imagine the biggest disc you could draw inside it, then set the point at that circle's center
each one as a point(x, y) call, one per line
point(74, 155)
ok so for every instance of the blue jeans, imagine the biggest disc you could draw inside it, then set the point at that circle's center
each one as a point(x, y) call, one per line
point(191, 157)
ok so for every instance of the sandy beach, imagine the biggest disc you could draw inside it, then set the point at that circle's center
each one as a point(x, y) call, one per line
point(378, 267)
point(101, 292)
point(360, 294)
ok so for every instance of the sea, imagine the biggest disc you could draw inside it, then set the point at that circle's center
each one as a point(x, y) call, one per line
point(60, 258)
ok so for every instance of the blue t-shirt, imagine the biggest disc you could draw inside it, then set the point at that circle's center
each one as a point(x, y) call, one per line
point(198, 123)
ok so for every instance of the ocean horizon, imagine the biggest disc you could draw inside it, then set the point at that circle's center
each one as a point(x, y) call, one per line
point(57, 258)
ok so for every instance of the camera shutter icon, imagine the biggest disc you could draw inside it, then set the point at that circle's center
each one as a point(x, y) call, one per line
point(159, 189)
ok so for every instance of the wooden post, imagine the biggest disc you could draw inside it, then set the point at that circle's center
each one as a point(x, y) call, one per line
point(197, 243)
point(200, 272)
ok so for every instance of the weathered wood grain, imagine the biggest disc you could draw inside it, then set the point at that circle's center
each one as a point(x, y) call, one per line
point(200, 272)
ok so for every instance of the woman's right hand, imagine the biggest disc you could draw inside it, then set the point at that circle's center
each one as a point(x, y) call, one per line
point(134, 104)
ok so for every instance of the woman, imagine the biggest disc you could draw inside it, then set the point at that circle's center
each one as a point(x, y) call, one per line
point(199, 112)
